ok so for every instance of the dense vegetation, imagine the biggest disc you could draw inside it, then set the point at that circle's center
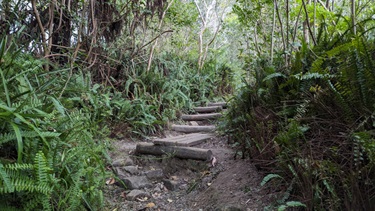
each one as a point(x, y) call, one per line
point(307, 115)
point(76, 72)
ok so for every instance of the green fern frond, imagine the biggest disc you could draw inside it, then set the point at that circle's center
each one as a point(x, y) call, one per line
point(5, 181)
point(41, 168)
point(6, 137)
point(341, 101)
point(274, 75)
point(361, 78)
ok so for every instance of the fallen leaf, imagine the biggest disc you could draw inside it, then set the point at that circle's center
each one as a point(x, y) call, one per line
point(204, 173)
point(110, 181)
point(150, 205)
point(123, 194)
point(142, 199)
point(169, 200)
point(213, 161)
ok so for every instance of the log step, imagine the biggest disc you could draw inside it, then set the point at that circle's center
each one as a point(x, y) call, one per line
point(184, 140)
point(222, 104)
point(193, 129)
point(208, 109)
point(180, 152)
point(199, 117)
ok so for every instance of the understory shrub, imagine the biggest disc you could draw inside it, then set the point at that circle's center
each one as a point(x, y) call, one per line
point(313, 125)
point(52, 156)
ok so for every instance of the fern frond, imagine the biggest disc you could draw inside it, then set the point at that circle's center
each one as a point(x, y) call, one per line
point(6, 137)
point(361, 78)
point(5, 181)
point(41, 168)
point(341, 101)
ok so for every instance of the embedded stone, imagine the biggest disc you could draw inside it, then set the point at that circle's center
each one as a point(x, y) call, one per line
point(131, 169)
point(123, 162)
point(170, 184)
point(134, 194)
point(154, 174)
point(137, 182)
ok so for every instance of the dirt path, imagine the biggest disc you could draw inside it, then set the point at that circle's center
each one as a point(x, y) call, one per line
point(181, 184)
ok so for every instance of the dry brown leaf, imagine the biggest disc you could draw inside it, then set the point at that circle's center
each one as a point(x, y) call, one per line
point(150, 205)
point(123, 194)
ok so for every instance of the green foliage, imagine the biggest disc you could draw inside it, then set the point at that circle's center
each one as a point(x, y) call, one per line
point(312, 123)
point(50, 155)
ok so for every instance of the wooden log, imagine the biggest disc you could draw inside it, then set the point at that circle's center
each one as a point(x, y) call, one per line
point(208, 109)
point(222, 104)
point(193, 129)
point(180, 152)
point(199, 117)
point(184, 140)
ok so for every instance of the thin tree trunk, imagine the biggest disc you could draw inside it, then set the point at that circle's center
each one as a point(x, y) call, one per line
point(308, 22)
point(314, 26)
point(256, 39)
point(281, 28)
point(273, 30)
point(287, 53)
point(156, 40)
point(200, 39)
point(353, 17)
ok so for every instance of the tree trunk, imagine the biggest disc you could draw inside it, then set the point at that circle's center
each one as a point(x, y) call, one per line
point(353, 10)
point(156, 40)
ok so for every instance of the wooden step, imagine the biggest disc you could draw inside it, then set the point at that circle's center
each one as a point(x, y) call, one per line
point(193, 129)
point(199, 117)
point(180, 152)
point(184, 140)
point(222, 104)
point(208, 109)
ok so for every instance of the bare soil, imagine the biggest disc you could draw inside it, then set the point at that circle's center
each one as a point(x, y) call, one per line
point(231, 184)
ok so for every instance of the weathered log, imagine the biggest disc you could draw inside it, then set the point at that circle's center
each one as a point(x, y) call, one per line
point(184, 140)
point(180, 152)
point(199, 117)
point(222, 104)
point(193, 129)
point(208, 109)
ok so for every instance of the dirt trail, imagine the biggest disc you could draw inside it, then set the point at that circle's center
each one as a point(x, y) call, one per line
point(148, 182)
point(182, 184)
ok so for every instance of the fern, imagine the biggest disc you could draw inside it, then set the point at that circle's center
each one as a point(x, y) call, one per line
point(269, 177)
point(6, 186)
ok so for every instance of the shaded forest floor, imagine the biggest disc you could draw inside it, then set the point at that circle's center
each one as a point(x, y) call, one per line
point(182, 184)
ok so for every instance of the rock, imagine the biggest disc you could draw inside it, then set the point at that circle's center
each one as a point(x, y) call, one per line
point(131, 169)
point(134, 194)
point(120, 172)
point(136, 182)
point(123, 162)
point(154, 174)
point(170, 184)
